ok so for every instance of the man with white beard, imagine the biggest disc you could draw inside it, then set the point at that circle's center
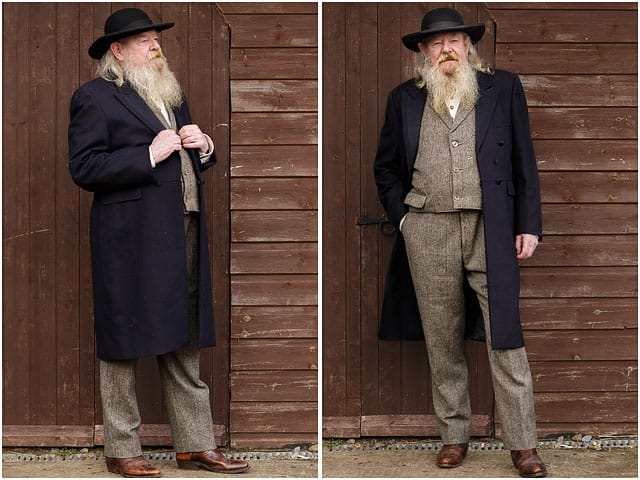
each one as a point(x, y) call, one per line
point(132, 143)
point(456, 174)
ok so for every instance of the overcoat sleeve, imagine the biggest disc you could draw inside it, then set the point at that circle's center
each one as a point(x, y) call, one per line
point(528, 217)
point(388, 163)
point(93, 163)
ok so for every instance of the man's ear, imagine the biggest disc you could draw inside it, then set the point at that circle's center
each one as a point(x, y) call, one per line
point(117, 50)
point(423, 48)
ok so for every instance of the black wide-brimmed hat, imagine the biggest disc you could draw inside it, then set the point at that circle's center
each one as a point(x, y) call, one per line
point(441, 20)
point(124, 23)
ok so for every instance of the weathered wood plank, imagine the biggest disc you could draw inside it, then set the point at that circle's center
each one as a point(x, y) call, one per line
point(276, 417)
point(274, 386)
point(576, 407)
point(565, 5)
point(295, 257)
point(245, 8)
point(585, 250)
point(532, 26)
point(555, 123)
point(272, 440)
point(575, 376)
point(274, 354)
point(580, 90)
point(47, 435)
point(341, 426)
point(274, 290)
point(274, 161)
point(585, 155)
point(589, 187)
point(563, 282)
point(569, 59)
point(274, 95)
point(551, 430)
point(274, 128)
point(273, 30)
point(274, 63)
point(160, 434)
point(415, 425)
point(581, 345)
point(274, 193)
point(274, 226)
point(274, 322)
point(594, 219)
point(578, 313)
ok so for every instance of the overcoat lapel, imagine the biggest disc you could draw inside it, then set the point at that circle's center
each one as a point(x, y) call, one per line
point(137, 106)
point(484, 107)
point(413, 108)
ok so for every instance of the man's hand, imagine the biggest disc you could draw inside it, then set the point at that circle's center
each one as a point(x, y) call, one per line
point(525, 245)
point(165, 143)
point(192, 137)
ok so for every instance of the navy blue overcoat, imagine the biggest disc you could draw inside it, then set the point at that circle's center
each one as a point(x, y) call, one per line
point(138, 253)
point(510, 196)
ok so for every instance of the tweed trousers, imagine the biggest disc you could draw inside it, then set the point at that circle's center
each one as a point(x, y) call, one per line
point(186, 396)
point(442, 249)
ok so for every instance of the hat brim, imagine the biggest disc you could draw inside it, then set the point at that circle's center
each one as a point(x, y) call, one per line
point(101, 45)
point(475, 33)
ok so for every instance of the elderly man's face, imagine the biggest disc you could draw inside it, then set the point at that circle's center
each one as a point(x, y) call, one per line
point(446, 50)
point(138, 49)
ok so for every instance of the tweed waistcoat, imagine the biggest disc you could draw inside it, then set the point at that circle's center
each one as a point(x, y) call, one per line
point(445, 176)
point(189, 184)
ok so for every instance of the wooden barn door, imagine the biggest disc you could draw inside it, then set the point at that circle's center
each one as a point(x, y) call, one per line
point(372, 387)
point(50, 374)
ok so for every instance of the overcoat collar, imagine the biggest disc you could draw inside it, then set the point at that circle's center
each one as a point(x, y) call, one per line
point(413, 107)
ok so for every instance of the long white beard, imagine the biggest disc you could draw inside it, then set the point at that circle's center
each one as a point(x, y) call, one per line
point(155, 86)
point(441, 87)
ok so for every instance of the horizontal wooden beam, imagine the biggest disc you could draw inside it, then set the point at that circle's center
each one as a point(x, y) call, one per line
point(416, 425)
point(47, 435)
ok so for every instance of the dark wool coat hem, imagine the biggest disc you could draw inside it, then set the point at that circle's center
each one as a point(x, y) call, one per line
point(138, 250)
point(510, 195)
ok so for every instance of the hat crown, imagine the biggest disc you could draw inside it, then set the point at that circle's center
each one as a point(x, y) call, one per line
point(441, 18)
point(126, 19)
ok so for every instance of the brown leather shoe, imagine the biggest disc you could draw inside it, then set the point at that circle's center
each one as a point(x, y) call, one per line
point(132, 467)
point(212, 460)
point(451, 456)
point(528, 463)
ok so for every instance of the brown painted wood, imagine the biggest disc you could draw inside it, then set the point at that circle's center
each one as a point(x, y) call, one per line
point(568, 59)
point(273, 30)
point(596, 407)
point(274, 290)
point(586, 218)
point(555, 26)
point(550, 123)
point(268, 8)
point(274, 226)
point(160, 434)
point(580, 90)
point(274, 128)
point(263, 439)
point(274, 322)
point(589, 187)
point(565, 5)
point(47, 435)
point(274, 354)
point(274, 417)
point(276, 161)
point(416, 425)
point(579, 313)
point(586, 155)
point(585, 250)
point(581, 345)
point(274, 193)
point(551, 430)
point(274, 95)
point(585, 376)
point(274, 63)
point(274, 258)
point(274, 386)
point(341, 427)
point(537, 282)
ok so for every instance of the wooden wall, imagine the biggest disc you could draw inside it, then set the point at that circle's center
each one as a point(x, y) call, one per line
point(274, 193)
point(578, 65)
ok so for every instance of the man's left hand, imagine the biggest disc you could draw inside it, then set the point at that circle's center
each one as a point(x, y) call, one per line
point(192, 137)
point(525, 245)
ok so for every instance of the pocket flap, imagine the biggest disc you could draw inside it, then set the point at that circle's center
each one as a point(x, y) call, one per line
point(415, 200)
point(120, 196)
